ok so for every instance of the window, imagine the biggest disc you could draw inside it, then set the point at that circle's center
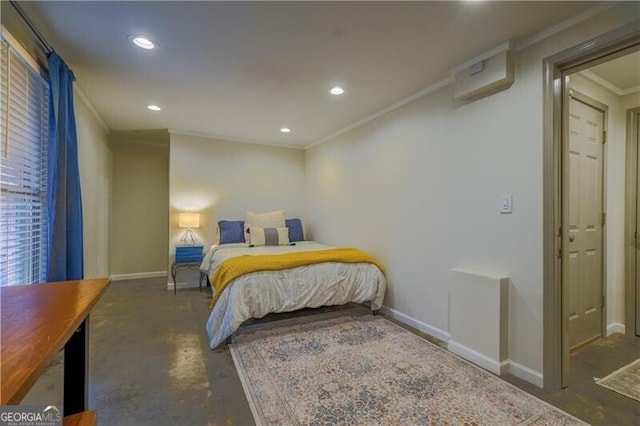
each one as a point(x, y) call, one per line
point(24, 122)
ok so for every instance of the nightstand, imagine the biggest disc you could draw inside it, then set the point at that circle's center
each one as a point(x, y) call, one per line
point(187, 257)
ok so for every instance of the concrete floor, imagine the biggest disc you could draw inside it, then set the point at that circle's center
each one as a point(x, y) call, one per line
point(150, 364)
point(586, 400)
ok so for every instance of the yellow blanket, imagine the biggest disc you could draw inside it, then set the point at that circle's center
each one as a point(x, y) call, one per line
point(238, 266)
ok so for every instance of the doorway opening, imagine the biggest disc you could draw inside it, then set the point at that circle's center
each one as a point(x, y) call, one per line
point(587, 292)
point(632, 219)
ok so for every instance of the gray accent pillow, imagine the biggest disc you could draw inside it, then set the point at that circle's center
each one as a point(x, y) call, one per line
point(269, 236)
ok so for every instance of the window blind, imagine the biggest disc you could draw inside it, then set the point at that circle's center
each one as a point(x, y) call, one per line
point(24, 123)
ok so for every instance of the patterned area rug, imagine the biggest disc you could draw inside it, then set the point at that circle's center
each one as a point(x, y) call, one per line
point(625, 381)
point(365, 370)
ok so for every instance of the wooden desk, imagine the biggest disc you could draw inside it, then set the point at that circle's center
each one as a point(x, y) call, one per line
point(37, 321)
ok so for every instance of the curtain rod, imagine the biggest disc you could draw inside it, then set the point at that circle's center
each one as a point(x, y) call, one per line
point(46, 47)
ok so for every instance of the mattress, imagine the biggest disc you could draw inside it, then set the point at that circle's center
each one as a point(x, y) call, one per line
point(257, 294)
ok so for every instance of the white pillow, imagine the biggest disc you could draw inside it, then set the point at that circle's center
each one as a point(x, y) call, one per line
point(275, 219)
point(269, 236)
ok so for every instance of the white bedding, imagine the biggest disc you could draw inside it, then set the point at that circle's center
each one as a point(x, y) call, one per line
point(259, 293)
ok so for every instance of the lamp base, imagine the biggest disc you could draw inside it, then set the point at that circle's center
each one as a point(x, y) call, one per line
point(189, 238)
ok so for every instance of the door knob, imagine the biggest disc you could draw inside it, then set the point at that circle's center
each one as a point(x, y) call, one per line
point(571, 238)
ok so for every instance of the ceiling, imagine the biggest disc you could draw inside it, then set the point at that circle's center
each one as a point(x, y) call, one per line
point(241, 71)
point(622, 73)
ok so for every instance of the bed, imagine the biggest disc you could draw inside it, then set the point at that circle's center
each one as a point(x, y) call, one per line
point(304, 274)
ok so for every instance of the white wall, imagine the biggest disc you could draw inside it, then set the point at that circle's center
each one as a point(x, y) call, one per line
point(419, 188)
point(95, 161)
point(630, 101)
point(223, 180)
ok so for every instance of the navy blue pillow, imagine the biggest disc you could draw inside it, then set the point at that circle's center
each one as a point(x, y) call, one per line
point(231, 231)
point(296, 233)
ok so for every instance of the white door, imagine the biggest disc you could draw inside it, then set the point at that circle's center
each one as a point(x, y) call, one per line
point(585, 220)
point(638, 230)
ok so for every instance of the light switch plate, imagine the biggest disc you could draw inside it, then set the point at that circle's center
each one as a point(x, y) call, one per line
point(506, 204)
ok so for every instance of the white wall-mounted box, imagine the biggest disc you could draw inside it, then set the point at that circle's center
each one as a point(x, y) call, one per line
point(485, 77)
point(479, 318)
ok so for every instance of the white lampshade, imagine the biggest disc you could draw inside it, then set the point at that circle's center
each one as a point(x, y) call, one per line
point(189, 220)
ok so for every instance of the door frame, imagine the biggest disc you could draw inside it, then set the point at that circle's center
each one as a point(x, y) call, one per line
point(599, 106)
point(630, 222)
point(584, 55)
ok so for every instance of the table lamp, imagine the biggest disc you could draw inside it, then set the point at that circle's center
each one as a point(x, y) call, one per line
point(189, 220)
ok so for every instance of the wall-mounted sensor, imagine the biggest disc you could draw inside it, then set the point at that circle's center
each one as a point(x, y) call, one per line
point(476, 68)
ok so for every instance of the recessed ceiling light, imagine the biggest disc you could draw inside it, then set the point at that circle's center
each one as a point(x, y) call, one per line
point(336, 90)
point(142, 41)
point(153, 107)
point(285, 130)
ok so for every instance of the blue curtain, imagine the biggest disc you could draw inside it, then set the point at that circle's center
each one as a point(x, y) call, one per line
point(65, 260)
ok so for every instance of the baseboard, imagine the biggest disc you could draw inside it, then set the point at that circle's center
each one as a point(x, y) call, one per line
point(138, 275)
point(496, 367)
point(417, 324)
point(615, 327)
point(492, 365)
point(185, 284)
point(526, 373)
